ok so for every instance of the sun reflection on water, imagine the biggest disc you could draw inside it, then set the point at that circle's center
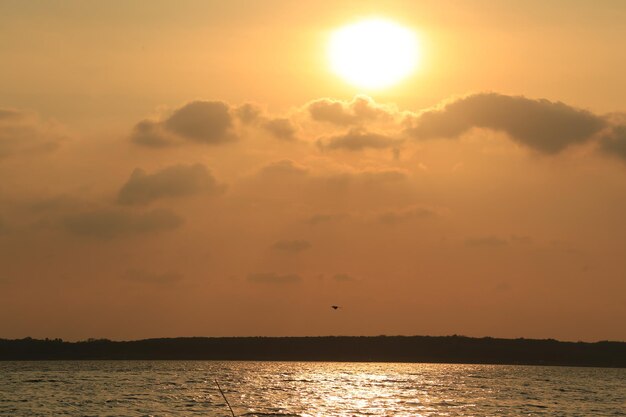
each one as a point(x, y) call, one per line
point(306, 389)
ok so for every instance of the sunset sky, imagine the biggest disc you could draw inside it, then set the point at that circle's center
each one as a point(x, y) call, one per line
point(199, 168)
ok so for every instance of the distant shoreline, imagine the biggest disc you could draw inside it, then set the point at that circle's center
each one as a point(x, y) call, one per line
point(423, 349)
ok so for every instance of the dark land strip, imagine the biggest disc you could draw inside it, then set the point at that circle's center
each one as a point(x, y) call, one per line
point(445, 349)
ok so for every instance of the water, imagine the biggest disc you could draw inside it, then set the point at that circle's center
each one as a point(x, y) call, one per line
point(179, 388)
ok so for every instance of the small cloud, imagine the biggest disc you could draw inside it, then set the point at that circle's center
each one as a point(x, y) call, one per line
point(398, 216)
point(367, 178)
point(23, 133)
point(284, 167)
point(248, 113)
point(319, 218)
point(614, 143)
point(174, 181)
point(382, 175)
point(151, 134)
point(146, 277)
point(331, 111)
point(10, 114)
point(360, 110)
point(273, 278)
point(521, 239)
point(281, 129)
point(56, 203)
point(208, 122)
point(202, 121)
point(292, 246)
point(503, 286)
point(316, 219)
point(486, 242)
point(344, 278)
point(106, 224)
point(357, 140)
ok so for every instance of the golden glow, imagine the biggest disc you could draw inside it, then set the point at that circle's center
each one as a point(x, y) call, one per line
point(373, 53)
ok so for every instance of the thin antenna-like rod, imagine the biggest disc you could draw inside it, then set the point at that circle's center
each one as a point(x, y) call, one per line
point(225, 399)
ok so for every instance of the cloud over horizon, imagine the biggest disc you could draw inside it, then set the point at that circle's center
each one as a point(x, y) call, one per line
point(24, 133)
point(542, 125)
point(292, 246)
point(545, 126)
point(360, 110)
point(108, 223)
point(344, 190)
point(274, 278)
point(281, 128)
point(200, 121)
point(392, 217)
point(486, 242)
point(357, 139)
point(173, 181)
point(614, 142)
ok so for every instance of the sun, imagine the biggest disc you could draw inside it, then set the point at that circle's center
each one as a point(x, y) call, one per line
point(373, 54)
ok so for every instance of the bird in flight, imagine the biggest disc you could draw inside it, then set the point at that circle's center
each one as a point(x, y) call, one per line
point(335, 307)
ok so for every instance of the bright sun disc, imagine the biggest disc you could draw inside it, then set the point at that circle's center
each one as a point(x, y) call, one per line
point(373, 53)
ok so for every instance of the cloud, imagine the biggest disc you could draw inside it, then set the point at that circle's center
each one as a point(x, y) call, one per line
point(614, 143)
point(105, 223)
point(398, 216)
point(486, 242)
point(539, 124)
point(54, 203)
point(503, 286)
point(248, 113)
point(141, 276)
point(300, 179)
point(292, 246)
point(542, 125)
point(202, 121)
point(344, 278)
point(324, 187)
point(151, 134)
point(173, 181)
point(208, 122)
point(273, 278)
point(357, 139)
point(319, 218)
point(10, 114)
point(283, 167)
point(281, 128)
point(521, 239)
point(383, 175)
point(361, 109)
point(316, 219)
point(290, 168)
point(23, 133)
point(366, 182)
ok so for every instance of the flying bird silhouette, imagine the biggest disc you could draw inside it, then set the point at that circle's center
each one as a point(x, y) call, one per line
point(335, 307)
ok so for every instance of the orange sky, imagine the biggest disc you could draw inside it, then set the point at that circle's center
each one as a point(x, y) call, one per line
point(195, 168)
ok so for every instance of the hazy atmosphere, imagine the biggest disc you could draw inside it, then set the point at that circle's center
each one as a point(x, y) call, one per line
point(203, 168)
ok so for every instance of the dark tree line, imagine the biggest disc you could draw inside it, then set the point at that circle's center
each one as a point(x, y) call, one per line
point(448, 349)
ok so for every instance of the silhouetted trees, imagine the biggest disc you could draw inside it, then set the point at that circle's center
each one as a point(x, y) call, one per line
point(448, 349)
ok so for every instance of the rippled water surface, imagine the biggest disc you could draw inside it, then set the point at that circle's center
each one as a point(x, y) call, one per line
point(179, 388)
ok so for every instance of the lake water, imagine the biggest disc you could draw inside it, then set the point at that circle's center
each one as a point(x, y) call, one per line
point(180, 388)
